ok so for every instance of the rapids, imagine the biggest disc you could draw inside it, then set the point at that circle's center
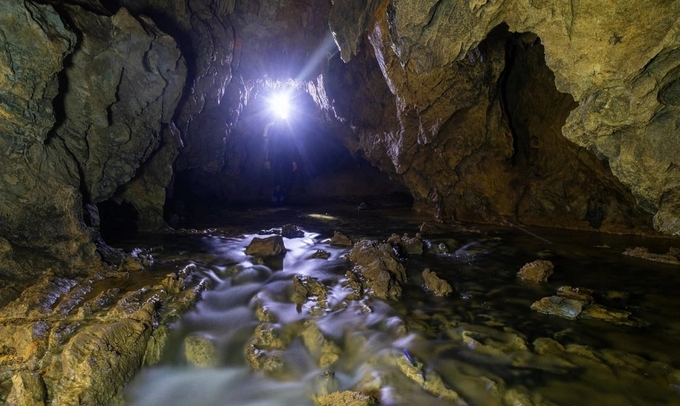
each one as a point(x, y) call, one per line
point(482, 345)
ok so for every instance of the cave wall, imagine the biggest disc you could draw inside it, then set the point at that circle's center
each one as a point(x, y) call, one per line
point(545, 113)
point(85, 98)
point(615, 60)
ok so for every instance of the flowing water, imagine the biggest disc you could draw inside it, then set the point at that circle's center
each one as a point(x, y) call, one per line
point(482, 345)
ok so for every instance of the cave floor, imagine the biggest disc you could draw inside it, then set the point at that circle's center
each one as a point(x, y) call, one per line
point(481, 345)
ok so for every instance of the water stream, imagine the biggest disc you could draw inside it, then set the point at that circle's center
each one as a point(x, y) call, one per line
point(482, 345)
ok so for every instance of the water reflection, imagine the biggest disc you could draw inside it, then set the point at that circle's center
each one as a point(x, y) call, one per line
point(481, 346)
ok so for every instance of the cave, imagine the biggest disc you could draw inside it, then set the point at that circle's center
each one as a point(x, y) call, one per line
point(339, 203)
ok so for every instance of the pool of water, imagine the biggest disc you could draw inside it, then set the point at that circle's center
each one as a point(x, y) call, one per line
point(482, 345)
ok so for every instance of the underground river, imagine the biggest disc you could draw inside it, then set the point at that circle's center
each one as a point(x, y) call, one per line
point(252, 340)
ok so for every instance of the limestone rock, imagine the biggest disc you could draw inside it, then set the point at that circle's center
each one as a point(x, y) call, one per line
point(558, 61)
point(28, 389)
point(103, 358)
point(113, 119)
point(266, 247)
point(346, 398)
point(320, 254)
point(291, 231)
point(408, 245)
point(559, 306)
point(431, 381)
point(200, 351)
point(378, 269)
point(671, 257)
point(572, 303)
point(340, 240)
point(435, 285)
point(537, 271)
point(40, 205)
point(308, 288)
point(325, 351)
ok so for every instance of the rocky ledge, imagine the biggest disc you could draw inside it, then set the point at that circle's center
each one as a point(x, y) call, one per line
point(79, 340)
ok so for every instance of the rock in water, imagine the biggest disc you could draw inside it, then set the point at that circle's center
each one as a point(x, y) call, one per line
point(200, 351)
point(340, 240)
point(378, 269)
point(537, 271)
point(266, 247)
point(346, 398)
point(435, 285)
point(291, 231)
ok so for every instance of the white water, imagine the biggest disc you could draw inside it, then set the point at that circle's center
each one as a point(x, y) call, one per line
point(226, 314)
point(627, 365)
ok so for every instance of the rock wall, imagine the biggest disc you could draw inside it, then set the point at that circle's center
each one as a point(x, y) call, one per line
point(435, 93)
point(84, 98)
point(616, 61)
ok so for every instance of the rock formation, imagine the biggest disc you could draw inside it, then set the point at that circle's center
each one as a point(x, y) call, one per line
point(553, 114)
point(115, 114)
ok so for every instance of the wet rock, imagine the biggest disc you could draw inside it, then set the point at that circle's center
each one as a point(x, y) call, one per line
point(412, 245)
point(266, 247)
point(640, 252)
point(325, 351)
point(559, 306)
point(131, 264)
point(346, 398)
point(325, 384)
point(489, 341)
point(354, 285)
point(103, 358)
point(269, 336)
point(378, 269)
point(264, 351)
point(306, 287)
point(291, 231)
point(320, 254)
point(436, 285)
point(431, 381)
point(263, 313)
point(571, 303)
point(583, 295)
point(340, 240)
point(200, 351)
point(86, 337)
point(601, 313)
point(408, 245)
point(28, 389)
point(537, 271)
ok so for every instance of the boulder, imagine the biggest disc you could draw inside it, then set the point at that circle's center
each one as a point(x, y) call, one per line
point(559, 306)
point(435, 285)
point(346, 398)
point(291, 231)
point(572, 303)
point(200, 351)
point(266, 247)
point(537, 271)
point(340, 240)
point(378, 269)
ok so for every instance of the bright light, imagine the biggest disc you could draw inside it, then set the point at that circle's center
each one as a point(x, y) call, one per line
point(280, 105)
